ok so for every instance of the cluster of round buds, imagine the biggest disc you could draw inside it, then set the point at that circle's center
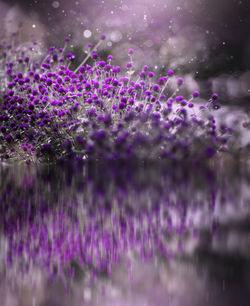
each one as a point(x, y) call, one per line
point(47, 107)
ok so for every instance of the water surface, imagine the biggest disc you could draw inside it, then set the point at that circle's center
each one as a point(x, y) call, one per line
point(125, 234)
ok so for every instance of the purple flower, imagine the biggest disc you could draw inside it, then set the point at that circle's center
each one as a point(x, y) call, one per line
point(122, 105)
point(131, 51)
point(196, 94)
point(156, 87)
point(73, 110)
point(49, 82)
point(3, 129)
point(124, 80)
point(150, 74)
point(9, 138)
point(170, 73)
point(214, 96)
point(94, 55)
point(180, 81)
point(129, 65)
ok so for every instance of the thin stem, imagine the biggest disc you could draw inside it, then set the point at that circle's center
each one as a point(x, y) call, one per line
point(88, 56)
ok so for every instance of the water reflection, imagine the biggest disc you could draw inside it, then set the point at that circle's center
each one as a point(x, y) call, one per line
point(124, 234)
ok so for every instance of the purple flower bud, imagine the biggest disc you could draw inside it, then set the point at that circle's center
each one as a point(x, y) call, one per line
point(162, 80)
point(36, 77)
point(128, 64)
point(108, 67)
point(59, 80)
point(142, 75)
point(180, 81)
point(131, 51)
point(8, 138)
point(156, 87)
point(101, 64)
point(3, 129)
point(137, 86)
point(49, 82)
point(124, 99)
point(124, 80)
point(131, 101)
point(67, 79)
point(88, 86)
point(162, 97)
point(11, 85)
point(196, 94)
point(31, 106)
point(147, 92)
point(82, 69)
point(214, 96)
point(170, 73)
point(61, 72)
point(150, 74)
point(94, 55)
point(178, 98)
point(115, 82)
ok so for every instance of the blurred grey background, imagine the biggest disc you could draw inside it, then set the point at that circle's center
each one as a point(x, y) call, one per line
point(207, 42)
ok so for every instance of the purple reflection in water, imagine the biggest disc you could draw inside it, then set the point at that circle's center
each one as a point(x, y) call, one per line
point(123, 233)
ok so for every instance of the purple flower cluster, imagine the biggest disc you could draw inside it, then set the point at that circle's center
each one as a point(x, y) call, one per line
point(50, 111)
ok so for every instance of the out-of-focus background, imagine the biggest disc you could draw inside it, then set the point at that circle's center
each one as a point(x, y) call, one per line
point(207, 42)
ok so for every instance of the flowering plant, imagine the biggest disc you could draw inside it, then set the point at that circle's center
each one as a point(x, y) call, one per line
point(50, 111)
